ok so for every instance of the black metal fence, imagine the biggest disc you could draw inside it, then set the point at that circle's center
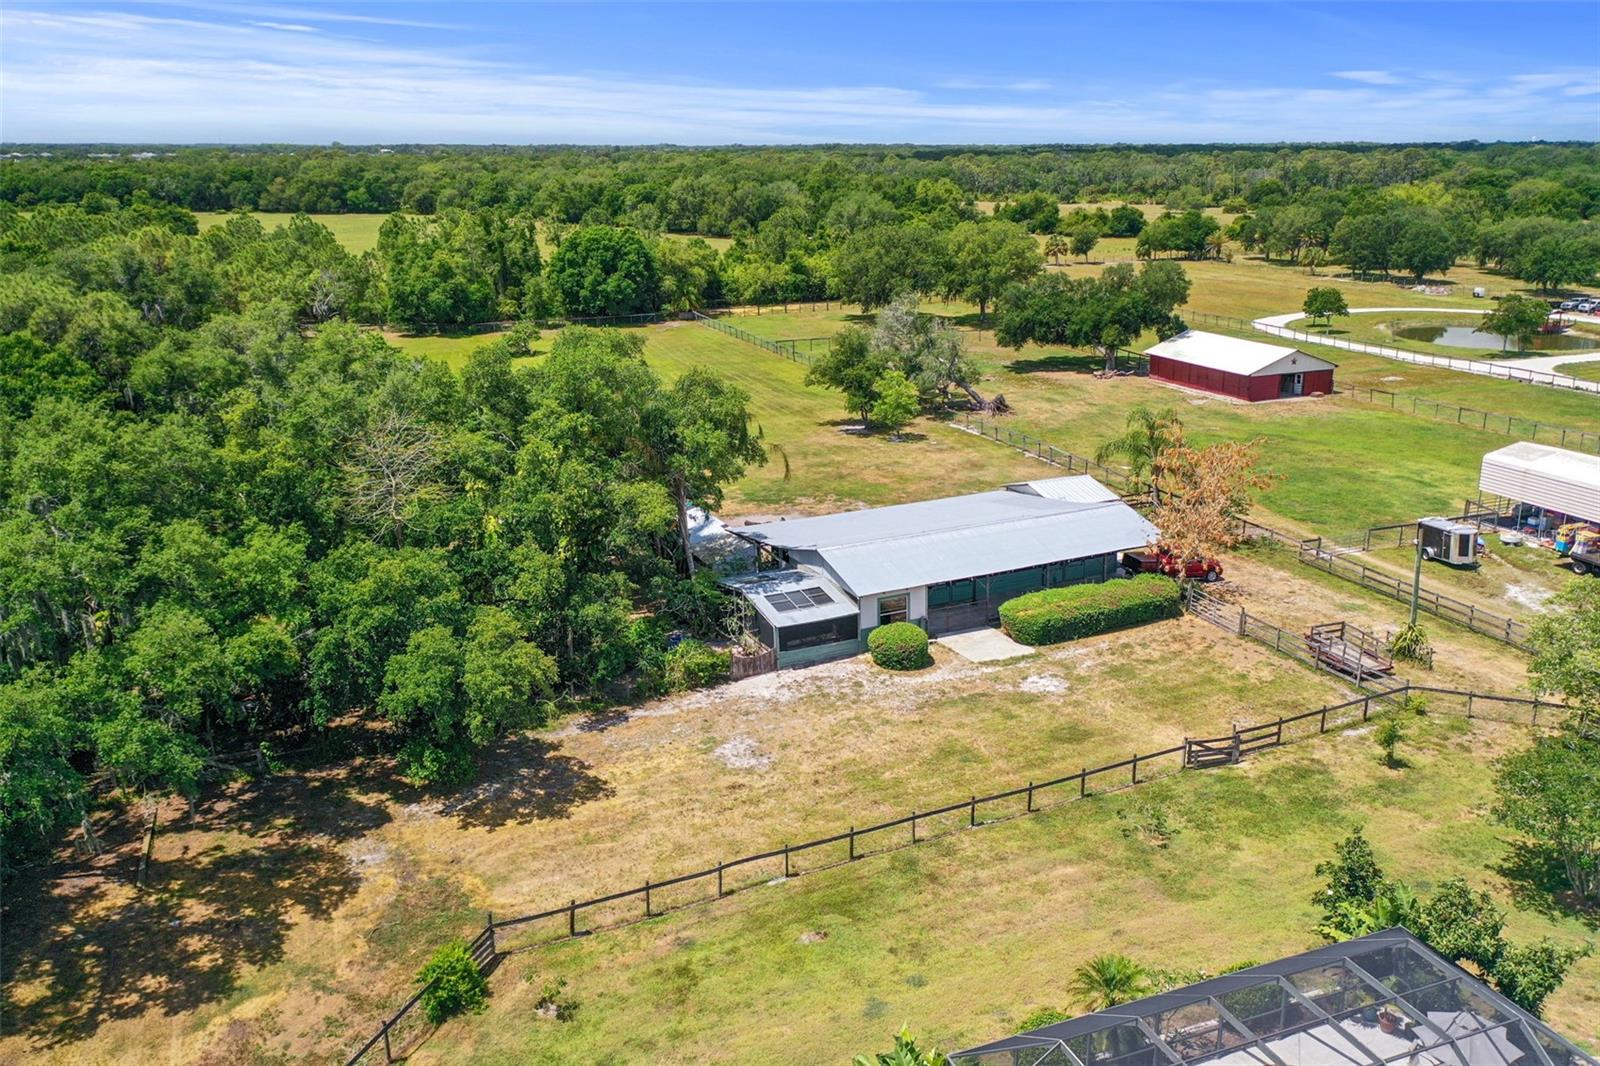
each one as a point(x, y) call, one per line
point(789, 349)
point(1498, 626)
point(1121, 480)
point(1516, 426)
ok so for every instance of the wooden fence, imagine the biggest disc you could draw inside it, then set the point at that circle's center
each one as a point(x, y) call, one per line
point(656, 897)
point(1498, 626)
point(1358, 669)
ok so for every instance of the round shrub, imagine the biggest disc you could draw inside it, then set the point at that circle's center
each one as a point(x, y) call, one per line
point(899, 646)
point(692, 664)
point(1050, 616)
point(454, 984)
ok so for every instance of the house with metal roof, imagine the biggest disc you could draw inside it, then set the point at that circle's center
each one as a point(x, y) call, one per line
point(1378, 999)
point(946, 564)
point(1243, 369)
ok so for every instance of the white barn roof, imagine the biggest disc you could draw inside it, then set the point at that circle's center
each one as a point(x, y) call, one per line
point(906, 546)
point(1235, 356)
point(1553, 478)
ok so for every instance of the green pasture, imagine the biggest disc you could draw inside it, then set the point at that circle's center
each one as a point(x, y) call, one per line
point(961, 938)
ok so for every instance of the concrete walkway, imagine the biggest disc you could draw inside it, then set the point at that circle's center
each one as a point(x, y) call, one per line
point(987, 645)
point(1507, 369)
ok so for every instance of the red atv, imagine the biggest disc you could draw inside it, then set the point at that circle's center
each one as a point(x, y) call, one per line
point(1162, 561)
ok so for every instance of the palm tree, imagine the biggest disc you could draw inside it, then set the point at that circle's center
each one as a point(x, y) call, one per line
point(1056, 246)
point(1107, 981)
point(1149, 434)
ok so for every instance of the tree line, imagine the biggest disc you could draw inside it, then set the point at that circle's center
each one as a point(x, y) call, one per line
point(714, 190)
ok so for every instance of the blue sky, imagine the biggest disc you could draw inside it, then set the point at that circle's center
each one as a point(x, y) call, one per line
point(706, 73)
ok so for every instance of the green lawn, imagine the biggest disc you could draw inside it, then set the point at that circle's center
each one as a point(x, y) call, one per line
point(1586, 371)
point(961, 938)
point(358, 233)
point(452, 348)
point(830, 464)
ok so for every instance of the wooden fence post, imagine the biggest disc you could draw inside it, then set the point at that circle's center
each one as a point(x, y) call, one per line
point(852, 843)
point(388, 1052)
point(572, 918)
point(720, 867)
point(1135, 768)
point(786, 872)
point(972, 813)
point(913, 827)
point(1083, 783)
point(488, 924)
point(647, 899)
point(1030, 783)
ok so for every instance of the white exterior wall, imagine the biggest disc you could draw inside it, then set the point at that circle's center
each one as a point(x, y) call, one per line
point(869, 612)
point(916, 606)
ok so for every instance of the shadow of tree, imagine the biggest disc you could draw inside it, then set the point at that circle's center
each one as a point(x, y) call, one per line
point(1071, 362)
point(256, 856)
point(524, 779)
point(97, 949)
point(1538, 883)
point(84, 946)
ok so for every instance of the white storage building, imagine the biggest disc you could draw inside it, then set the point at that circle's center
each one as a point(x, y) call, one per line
point(1556, 479)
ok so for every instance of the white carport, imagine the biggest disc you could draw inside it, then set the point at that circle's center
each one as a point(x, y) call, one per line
point(1558, 480)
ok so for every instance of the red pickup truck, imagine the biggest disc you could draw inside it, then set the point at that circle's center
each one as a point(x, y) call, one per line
point(1161, 561)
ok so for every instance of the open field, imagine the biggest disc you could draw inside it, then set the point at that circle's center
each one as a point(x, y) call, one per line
point(451, 348)
point(358, 233)
point(830, 465)
point(961, 939)
point(1343, 466)
point(305, 901)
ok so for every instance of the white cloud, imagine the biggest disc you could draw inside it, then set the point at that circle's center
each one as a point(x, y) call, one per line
point(83, 75)
point(1026, 85)
point(1370, 77)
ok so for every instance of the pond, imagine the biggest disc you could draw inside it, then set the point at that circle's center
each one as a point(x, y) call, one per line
point(1467, 337)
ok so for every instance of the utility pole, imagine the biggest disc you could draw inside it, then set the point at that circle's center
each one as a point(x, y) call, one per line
point(1416, 577)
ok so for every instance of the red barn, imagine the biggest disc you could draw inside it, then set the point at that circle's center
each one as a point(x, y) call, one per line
point(1248, 370)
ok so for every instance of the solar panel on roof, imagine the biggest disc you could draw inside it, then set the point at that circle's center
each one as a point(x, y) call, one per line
point(784, 602)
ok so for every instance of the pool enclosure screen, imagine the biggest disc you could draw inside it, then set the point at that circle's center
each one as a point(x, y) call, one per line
point(1384, 998)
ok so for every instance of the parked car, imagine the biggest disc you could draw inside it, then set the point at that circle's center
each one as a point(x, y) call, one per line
point(1162, 561)
point(1570, 305)
point(1587, 306)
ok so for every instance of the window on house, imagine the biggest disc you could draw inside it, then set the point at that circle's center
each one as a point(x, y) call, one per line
point(893, 608)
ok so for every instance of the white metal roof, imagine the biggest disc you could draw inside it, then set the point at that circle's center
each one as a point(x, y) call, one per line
point(1079, 488)
point(757, 587)
point(1234, 355)
point(1553, 478)
point(909, 545)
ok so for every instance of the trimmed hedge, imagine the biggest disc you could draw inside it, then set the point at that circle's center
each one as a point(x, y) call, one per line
point(1050, 616)
point(899, 646)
